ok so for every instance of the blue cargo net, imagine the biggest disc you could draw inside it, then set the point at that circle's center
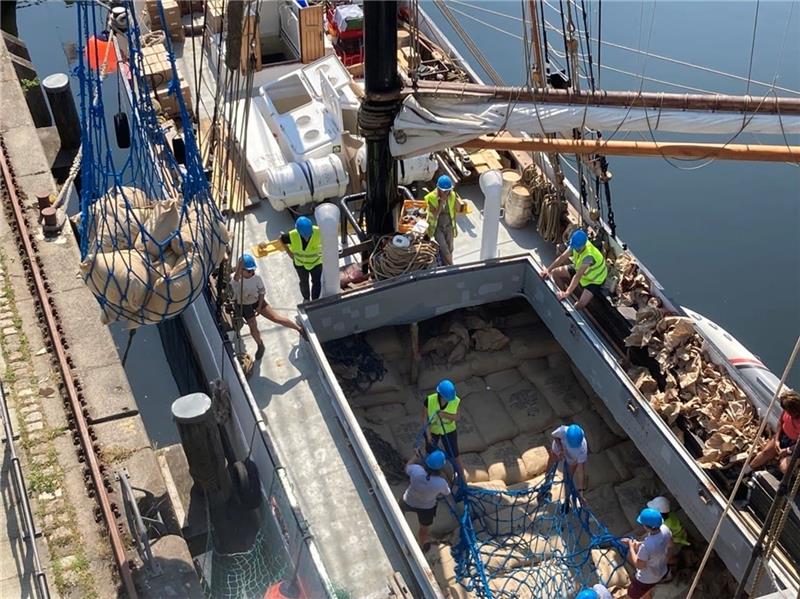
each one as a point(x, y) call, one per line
point(150, 232)
point(542, 542)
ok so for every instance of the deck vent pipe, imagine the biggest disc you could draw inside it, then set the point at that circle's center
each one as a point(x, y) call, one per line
point(327, 217)
point(491, 183)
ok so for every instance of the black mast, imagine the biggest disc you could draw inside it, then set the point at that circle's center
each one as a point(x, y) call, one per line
point(382, 86)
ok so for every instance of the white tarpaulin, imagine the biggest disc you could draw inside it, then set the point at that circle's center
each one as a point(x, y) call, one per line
point(431, 124)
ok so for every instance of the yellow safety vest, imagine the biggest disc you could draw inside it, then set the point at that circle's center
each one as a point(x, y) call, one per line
point(597, 272)
point(679, 536)
point(432, 200)
point(309, 256)
point(441, 426)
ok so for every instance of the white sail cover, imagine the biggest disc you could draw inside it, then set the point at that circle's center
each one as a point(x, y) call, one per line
point(429, 124)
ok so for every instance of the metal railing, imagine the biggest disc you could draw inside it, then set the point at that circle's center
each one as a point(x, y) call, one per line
point(23, 502)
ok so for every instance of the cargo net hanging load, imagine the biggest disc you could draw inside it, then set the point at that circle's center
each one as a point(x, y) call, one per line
point(150, 232)
point(536, 543)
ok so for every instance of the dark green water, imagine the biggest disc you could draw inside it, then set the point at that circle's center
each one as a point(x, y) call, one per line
point(722, 239)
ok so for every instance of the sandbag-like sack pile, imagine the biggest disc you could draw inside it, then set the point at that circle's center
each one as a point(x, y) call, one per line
point(148, 260)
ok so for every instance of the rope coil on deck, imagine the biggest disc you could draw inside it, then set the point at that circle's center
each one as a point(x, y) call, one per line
point(388, 260)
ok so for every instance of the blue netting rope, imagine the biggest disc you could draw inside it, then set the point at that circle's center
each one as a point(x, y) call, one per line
point(150, 231)
point(540, 542)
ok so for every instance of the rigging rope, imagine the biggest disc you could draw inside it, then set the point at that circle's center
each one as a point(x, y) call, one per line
point(713, 540)
point(388, 261)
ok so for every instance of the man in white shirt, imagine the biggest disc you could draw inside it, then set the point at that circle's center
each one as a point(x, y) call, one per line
point(426, 485)
point(649, 556)
point(249, 295)
point(569, 444)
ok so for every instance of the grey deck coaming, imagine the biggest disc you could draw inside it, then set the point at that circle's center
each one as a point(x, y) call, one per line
point(674, 465)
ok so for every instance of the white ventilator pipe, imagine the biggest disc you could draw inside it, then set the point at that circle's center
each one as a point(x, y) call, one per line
point(327, 217)
point(491, 183)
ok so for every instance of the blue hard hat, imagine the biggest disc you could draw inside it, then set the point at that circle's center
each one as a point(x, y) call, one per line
point(578, 239)
point(650, 518)
point(444, 183)
point(435, 460)
point(248, 262)
point(304, 226)
point(574, 436)
point(446, 389)
point(587, 594)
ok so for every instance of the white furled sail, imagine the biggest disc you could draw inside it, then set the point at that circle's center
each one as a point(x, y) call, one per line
point(430, 124)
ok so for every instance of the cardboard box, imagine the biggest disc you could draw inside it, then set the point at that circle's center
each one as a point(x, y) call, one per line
point(169, 103)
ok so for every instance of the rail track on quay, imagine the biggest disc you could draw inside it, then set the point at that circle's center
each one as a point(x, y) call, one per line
point(96, 477)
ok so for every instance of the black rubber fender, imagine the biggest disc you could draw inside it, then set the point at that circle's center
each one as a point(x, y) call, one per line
point(246, 483)
point(122, 130)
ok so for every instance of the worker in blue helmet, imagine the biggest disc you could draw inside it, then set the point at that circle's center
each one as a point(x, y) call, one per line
point(441, 205)
point(649, 556)
point(304, 245)
point(249, 298)
point(597, 591)
point(587, 270)
point(440, 414)
point(569, 446)
point(426, 485)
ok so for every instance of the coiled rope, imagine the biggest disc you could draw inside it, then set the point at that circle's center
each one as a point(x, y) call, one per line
point(388, 261)
point(548, 205)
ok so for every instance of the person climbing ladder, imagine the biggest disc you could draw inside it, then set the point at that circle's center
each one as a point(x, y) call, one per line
point(304, 245)
point(249, 293)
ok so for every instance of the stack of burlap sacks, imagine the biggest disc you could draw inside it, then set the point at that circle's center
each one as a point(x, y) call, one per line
point(716, 409)
point(145, 262)
point(512, 398)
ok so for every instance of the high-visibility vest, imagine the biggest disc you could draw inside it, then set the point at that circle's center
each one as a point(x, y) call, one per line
point(679, 536)
point(432, 200)
point(438, 425)
point(597, 272)
point(309, 256)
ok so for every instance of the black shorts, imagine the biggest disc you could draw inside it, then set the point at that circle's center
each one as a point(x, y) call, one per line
point(785, 442)
point(594, 289)
point(448, 443)
point(425, 516)
point(249, 311)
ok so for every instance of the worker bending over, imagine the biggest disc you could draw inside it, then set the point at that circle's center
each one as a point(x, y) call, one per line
point(426, 485)
point(598, 591)
point(788, 431)
point(440, 416)
point(304, 245)
point(569, 445)
point(587, 271)
point(441, 206)
point(649, 556)
point(249, 294)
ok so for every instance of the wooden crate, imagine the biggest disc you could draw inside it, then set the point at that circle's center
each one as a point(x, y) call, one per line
point(169, 103)
point(156, 65)
point(408, 207)
point(312, 41)
point(214, 10)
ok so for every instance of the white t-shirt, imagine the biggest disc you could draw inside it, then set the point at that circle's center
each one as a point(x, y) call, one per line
point(574, 455)
point(602, 591)
point(247, 289)
point(422, 492)
point(655, 551)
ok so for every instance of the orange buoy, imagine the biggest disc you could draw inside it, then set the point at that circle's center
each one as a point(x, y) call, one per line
point(101, 53)
point(285, 590)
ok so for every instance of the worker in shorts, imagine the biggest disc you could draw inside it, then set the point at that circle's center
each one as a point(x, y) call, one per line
point(249, 295)
point(679, 537)
point(569, 445)
point(649, 556)
point(426, 485)
point(304, 245)
point(441, 206)
point(598, 591)
point(587, 271)
point(440, 415)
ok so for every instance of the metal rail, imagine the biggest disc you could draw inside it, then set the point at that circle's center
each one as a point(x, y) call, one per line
point(37, 280)
point(21, 490)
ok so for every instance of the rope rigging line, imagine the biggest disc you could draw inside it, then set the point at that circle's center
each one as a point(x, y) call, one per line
point(752, 48)
point(713, 540)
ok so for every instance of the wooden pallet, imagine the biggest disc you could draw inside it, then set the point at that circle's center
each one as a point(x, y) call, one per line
point(226, 176)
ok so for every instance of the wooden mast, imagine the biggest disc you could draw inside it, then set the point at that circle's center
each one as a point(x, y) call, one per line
point(773, 105)
point(698, 151)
